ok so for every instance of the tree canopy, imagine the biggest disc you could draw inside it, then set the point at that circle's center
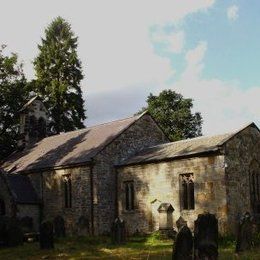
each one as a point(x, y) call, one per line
point(58, 76)
point(13, 93)
point(173, 113)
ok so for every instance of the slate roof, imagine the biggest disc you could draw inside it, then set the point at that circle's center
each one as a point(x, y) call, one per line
point(71, 148)
point(183, 148)
point(22, 189)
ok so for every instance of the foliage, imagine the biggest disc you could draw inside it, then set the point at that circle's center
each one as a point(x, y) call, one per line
point(173, 113)
point(13, 93)
point(58, 77)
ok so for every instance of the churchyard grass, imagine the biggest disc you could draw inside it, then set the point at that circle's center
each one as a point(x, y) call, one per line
point(139, 247)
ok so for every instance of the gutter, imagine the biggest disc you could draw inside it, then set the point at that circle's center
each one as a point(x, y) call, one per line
point(39, 170)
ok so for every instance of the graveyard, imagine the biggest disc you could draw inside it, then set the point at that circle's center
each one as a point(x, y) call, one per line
point(204, 242)
point(137, 247)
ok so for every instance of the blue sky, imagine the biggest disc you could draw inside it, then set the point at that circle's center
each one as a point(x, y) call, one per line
point(233, 44)
point(207, 50)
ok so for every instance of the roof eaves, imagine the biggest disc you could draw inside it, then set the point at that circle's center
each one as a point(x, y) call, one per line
point(42, 169)
point(171, 158)
point(237, 132)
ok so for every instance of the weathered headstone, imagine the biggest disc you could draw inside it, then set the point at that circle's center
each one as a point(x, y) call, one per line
point(59, 227)
point(183, 246)
point(165, 216)
point(10, 232)
point(206, 236)
point(14, 232)
point(181, 222)
point(83, 226)
point(245, 233)
point(2, 230)
point(46, 235)
point(118, 231)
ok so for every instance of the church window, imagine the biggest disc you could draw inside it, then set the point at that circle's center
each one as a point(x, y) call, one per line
point(187, 191)
point(255, 187)
point(67, 191)
point(129, 195)
point(2, 207)
point(41, 128)
point(32, 126)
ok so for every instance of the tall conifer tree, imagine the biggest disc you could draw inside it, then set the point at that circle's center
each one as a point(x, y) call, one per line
point(58, 76)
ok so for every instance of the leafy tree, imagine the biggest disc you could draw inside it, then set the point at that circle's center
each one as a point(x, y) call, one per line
point(173, 113)
point(13, 93)
point(58, 75)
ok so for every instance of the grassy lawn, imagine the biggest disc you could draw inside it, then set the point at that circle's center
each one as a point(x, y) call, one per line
point(100, 248)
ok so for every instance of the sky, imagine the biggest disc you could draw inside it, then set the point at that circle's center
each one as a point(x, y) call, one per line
point(204, 49)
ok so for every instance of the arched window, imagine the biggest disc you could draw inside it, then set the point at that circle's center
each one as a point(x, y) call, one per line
point(32, 126)
point(41, 128)
point(2, 207)
point(187, 191)
point(255, 186)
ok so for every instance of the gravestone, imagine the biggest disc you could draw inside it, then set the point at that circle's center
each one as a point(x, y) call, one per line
point(2, 230)
point(26, 224)
point(14, 234)
point(83, 226)
point(10, 232)
point(181, 222)
point(245, 233)
point(46, 235)
point(165, 216)
point(118, 231)
point(183, 246)
point(206, 236)
point(59, 226)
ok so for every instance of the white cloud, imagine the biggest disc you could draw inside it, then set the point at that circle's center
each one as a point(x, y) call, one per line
point(173, 42)
point(223, 105)
point(233, 12)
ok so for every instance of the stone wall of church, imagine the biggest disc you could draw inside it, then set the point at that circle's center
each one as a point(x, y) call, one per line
point(157, 183)
point(143, 133)
point(242, 158)
point(51, 190)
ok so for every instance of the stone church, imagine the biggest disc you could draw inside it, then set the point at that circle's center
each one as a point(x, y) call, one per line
point(128, 168)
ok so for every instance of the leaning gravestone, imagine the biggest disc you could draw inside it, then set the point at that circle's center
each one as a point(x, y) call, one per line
point(183, 246)
point(118, 231)
point(59, 226)
point(46, 235)
point(206, 236)
point(245, 233)
point(83, 226)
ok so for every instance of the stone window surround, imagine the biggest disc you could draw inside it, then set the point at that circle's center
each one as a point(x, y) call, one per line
point(67, 191)
point(188, 179)
point(129, 196)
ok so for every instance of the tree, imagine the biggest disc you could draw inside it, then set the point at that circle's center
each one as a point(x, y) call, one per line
point(173, 113)
point(13, 93)
point(58, 75)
